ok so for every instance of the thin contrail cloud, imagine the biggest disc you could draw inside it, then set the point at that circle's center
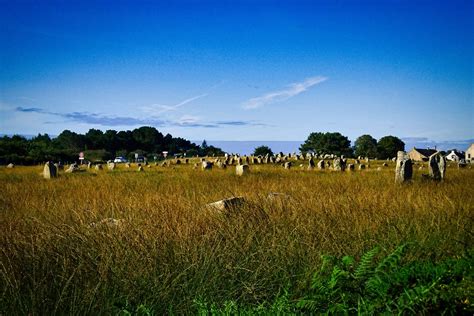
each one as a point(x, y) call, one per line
point(281, 95)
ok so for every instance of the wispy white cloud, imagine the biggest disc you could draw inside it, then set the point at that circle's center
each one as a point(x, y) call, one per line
point(157, 109)
point(188, 119)
point(278, 96)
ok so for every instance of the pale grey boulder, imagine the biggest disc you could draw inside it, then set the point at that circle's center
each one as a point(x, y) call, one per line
point(240, 170)
point(437, 166)
point(50, 170)
point(404, 168)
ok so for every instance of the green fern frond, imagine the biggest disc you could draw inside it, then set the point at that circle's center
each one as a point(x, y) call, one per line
point(365, 265)
point(391, 261)
point(310, 305)
point(336, 275)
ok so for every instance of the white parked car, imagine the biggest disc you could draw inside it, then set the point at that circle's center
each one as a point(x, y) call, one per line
point(120, 160)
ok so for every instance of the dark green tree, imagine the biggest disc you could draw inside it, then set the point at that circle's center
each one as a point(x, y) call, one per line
point(262, 151)
point(14, 149)
point(147, 138)
point(95, 139)
point(327, 143)
point(365, 146)
point(125, 141)
point(40, 148)
point(388, 146)
point(111, 141)
point(70, 141)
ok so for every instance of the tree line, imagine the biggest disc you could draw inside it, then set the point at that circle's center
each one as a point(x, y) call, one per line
point(365, 145)
point(97, 145)
point(338, 144)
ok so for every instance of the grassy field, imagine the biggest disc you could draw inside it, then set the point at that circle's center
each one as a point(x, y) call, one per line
point(171, 255)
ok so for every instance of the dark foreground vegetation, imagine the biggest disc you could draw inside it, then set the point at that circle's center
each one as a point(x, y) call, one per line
point(337, 242)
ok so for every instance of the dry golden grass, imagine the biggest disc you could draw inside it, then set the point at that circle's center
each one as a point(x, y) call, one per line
point(168, 249)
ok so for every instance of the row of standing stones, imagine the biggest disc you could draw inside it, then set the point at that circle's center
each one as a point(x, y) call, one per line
point(404, 167)
point(403, 171)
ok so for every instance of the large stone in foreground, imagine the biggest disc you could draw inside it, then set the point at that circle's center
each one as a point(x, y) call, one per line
point(240, 170)
point(10, 166)
point(50, 170)
point(404, 168)
point(437, 166)
point(226, 204)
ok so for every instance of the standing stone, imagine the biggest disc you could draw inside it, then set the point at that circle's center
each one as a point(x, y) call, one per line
point(72, 168)
point(321, 165)
point(127, 165)
point(206, 165)
point(10, 166)
point(140, 169)
point(385, 164)
point(50, 170)
point(437, 166)
point(339, 164)
point(240, 170)
point(311, 164)
point(98, 167)
point(287, 165)
point(230, 204)
point(404, 168)
point(361, 167)
point(350, 167)
point(89, 165)
point(111, 166)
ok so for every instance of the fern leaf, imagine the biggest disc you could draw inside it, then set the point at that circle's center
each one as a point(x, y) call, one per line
point(391, 261)
point(365, 265)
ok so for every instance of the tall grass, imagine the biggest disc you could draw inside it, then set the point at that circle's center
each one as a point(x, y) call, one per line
point(169, 250)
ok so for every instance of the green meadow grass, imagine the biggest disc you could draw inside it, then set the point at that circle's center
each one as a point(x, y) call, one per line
point(171, 255)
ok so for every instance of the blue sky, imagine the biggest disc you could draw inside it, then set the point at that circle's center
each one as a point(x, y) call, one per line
point(239, 70)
